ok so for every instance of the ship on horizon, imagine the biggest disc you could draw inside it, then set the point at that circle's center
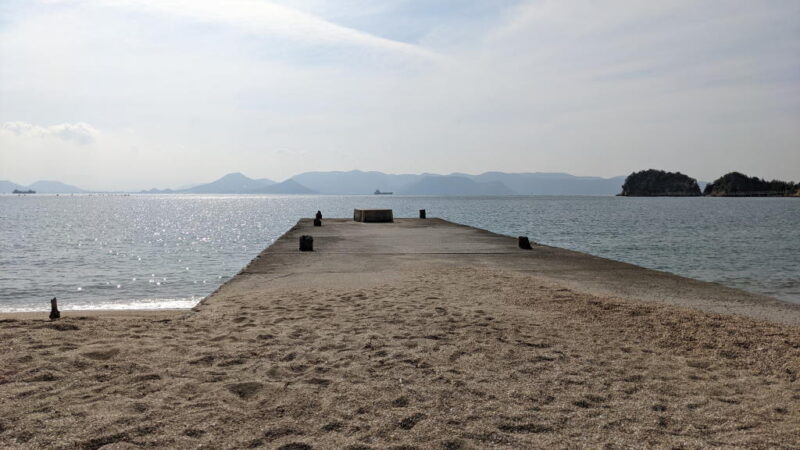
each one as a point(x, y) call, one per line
point(378, 192)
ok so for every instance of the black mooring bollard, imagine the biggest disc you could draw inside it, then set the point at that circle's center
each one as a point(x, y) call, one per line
point(317, 222)
point(54, 313)
point(319, 215)
point(421, 213)
point(524, 243)
point(306, 243)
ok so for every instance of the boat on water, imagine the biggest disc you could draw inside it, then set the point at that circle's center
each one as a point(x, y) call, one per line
point(29, 191)
point(378, 192)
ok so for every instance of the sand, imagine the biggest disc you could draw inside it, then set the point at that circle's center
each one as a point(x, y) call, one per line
point(386, 346)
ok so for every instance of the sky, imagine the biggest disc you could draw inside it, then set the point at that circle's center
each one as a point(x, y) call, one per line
point(135, 94)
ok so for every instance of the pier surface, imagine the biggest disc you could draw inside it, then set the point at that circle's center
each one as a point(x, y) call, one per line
point(414, 334)
point(349, 253)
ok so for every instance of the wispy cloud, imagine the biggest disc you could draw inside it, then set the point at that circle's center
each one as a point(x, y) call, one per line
point(80, 133)
point(265, 18)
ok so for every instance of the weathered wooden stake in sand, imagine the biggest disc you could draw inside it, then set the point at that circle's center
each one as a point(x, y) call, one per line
point(55, 314)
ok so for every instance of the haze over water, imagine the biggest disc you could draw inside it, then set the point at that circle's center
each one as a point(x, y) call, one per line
point(168, 251)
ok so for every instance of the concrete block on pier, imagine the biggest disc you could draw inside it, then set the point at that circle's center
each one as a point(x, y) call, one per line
point(373, 215)
point(306, 243)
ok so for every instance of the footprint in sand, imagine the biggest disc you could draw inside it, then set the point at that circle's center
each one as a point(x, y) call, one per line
point(101, 355)
point(400, 402)
point(245, 390)
point(410, 421)
point(63, 327)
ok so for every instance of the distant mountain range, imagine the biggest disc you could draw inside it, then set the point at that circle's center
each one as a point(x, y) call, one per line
point(455, 185)
point(357, 182)
point(236, 183)
point(41, 187)
point(232, 183)
point(489, 183)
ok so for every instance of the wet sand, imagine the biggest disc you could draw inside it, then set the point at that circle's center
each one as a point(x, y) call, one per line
point(418, 334)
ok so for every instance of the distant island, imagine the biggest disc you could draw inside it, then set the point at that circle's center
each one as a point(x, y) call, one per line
point(18, 191)
point(658, 183)
point(737, 184)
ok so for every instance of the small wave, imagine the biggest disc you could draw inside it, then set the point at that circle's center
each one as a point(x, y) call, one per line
point(138, 304)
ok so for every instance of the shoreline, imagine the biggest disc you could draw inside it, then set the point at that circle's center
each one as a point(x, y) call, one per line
point(95, 313)
point(743, 302)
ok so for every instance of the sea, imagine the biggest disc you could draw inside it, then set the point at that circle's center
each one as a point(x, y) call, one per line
point(136, 251)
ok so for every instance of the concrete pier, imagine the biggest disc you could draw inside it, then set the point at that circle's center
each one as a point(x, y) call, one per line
point(419, 333)
point(347, 253)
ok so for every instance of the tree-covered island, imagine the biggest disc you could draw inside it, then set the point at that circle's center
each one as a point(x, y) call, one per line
point(658, 183)
point(737, 184)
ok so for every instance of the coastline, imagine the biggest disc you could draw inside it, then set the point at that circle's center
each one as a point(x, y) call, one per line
point(423, 334)
point(97, 314)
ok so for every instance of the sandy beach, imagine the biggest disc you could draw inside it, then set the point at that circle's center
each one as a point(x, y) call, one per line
point(417, 334)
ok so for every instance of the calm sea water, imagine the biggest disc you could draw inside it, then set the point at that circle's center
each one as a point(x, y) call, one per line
point(166, 251)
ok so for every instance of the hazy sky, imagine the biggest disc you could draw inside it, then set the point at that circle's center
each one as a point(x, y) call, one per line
point(131, 94)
